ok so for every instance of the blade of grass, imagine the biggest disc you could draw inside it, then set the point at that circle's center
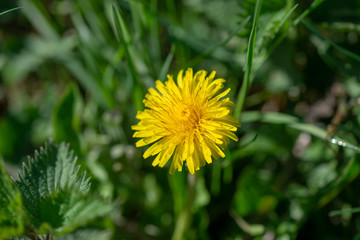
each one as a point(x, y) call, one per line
point(170, 5)
point(327, 193)
point(10, 10)
point(314, 5)
point(270, 35)
point(38, 16)
point(90, 11)
point(138, 21)
point(125, 39)
point(249, 60)
point(268, 117)
point(348, 174)
point(215, 183)
point(333, 44)
point(294, 123)
point(154, 35)
point(63, 119)
point(184, 219)
point(286, 18)
point(342, 211)
point(165, 67)
point(211, 49)
point(87, 80)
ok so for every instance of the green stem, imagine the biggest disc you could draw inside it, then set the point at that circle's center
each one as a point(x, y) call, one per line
point(185, 217)
point(10, 10)
point(314, 5)
point(249, 60)
point(250, 53)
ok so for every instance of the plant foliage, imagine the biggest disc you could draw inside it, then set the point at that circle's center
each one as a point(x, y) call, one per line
point(11, 213)
point(54, 193)
point(77, 71)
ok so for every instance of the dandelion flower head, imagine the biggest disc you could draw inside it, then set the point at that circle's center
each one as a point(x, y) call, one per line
point(188, 121)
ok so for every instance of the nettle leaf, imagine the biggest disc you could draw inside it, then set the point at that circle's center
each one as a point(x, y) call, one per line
point(55, 194)
point(86, 234)
point(11, 211)
point(81, 234)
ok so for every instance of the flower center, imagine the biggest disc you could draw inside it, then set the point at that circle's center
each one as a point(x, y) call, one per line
point(189, 118)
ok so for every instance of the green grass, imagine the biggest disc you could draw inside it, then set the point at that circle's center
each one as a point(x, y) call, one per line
point(77, 72)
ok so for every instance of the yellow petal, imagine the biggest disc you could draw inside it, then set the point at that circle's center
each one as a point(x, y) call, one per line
point(146, 141)
point(186, 120)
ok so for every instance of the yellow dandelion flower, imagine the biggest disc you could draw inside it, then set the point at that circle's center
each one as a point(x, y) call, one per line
point(188, 121)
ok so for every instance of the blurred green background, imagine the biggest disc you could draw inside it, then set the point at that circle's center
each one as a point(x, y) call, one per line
point(69, 74)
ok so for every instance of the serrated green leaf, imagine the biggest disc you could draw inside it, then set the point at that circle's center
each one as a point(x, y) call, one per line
point(78, 211)
point(86, 234)
point(11, 213)
point(81, 234)
point(55, 194)
point(84, 210)
point(20, 238)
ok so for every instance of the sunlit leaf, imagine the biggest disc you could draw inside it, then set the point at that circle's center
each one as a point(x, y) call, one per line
point(54, 193)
